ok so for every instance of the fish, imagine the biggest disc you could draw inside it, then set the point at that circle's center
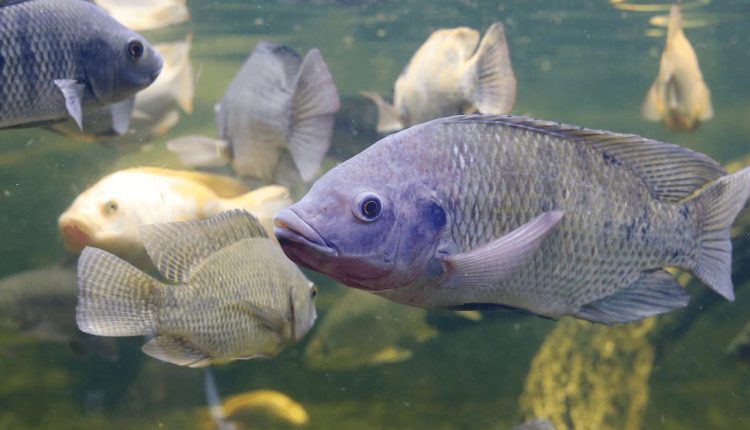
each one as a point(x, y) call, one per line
point(679, 97)
point(40, 303)
point(109, 214)
point(143, 15)
point(73, 59)
point(156, 108)
point(275, 121)
point(453, 72)
point(484, 212)
point(365, 330)
point(231, 294)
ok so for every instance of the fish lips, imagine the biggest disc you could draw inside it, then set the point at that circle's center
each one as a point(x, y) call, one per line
point(75, 235)
point(290, 228)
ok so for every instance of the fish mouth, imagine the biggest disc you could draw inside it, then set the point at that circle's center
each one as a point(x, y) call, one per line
point(75, 235)
point(288, 226)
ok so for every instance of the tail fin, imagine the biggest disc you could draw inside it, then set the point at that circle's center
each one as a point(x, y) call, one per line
point(495, 84)
point(716, 207)
point(315, 102)
point(115, 298)
point(263, 202)
point(389, 119)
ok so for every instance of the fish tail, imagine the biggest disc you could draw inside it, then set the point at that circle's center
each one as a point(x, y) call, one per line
point(389, 119)
point(494, 89)
point(716, 207)
point(114, 297)
point(263, 202)
point(315, 102)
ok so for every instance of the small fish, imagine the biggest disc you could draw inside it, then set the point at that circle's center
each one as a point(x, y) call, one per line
point(146, 14)
point(448, 75)
point(40, 303)
point(156, 108)
point(259, 409)
point(110, 213)
point(481, 212)
point(365, 330)
point(739, 347)
point(231, 294)
point(275, 120)
point(678, 97)
point(62, 58)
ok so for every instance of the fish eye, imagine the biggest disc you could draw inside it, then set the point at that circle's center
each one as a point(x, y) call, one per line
point(135, 49)
point(110, 207)
point(313, 292)
point(367, 206)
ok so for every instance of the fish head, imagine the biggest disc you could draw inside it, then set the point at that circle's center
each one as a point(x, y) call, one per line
point(119, 63)
point(369, 234)
point(303, 308)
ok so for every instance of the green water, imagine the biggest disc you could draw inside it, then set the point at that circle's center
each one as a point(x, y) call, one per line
point(578, 62)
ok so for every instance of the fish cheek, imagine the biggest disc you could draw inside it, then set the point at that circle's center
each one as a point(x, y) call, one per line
point(99, 66)
point(420, 236)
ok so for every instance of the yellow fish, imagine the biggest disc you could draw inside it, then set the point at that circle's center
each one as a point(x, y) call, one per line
point(678, 97)
point(146, 14)
point(110, 213)
point(451, 73)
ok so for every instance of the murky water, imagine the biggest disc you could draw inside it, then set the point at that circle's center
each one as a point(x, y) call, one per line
point(583, 63)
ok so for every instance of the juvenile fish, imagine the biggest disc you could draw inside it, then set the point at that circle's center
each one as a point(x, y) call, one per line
point(61, 58)
point(231, 293)
point(477, 212)
point(110, 213)
point(275, 120)
point(448, 75)
point(678, 97)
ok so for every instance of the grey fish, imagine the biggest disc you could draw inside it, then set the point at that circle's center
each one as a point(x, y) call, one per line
point(231, 293)
point(451, 73)
point(479, 212)
point(365, 330)
point(41, 303)
point(61, 58)
point(277, 115)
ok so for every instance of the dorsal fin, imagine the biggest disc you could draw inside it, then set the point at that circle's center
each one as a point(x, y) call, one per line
point(225, 187)
point(177, 248)
point(670, 172)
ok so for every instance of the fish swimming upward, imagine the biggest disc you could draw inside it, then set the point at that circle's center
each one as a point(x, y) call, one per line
point(275, 121)
point(110, 213)
point(231, 293)
point(448, 75)
point(477, 212)
point(62, 58)
point(678, 97)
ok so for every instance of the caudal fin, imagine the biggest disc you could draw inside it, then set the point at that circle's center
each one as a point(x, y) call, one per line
point(115, 298)
point(389, 119)
point(716, 207)
point(494, 89)
point(316, 100)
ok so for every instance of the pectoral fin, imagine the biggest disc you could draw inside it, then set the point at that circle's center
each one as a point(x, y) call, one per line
point(390, 354)
point(120, 113)
point(270, 319)
point(502, 258)
point(176, 350)
point(73, 92)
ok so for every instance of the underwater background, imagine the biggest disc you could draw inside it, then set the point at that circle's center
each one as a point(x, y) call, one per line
point(578, 62)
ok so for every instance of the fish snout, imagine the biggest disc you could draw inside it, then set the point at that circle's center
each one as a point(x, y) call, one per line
point(75, 235)
point(290, 227)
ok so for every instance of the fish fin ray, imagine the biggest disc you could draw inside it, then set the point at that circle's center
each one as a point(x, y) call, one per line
point(653, 293)
point(120, 113)
point(670, 172)
point(176, 350)
point(716, 207)
point(73, 92)
point(500, 259)
point(314, 105)
point(494, 89)
point(201, 151)
point(389, 119)
point(176, 248)
point(114, 297)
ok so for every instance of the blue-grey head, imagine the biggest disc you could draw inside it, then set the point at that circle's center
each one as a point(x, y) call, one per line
point(372, 222)
point(117, 61)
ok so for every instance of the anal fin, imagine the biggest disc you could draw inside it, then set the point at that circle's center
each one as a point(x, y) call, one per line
point(654, 293)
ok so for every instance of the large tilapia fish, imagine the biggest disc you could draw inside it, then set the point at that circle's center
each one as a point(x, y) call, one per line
point(275, 121)
point(678, 97)
point(61, 58)
point(231, 293)
point(451, 73)
point(508, 211)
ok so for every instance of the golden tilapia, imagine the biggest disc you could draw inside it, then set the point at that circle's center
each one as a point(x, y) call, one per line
point(678, 97)
point(231, 293)
point(449, 74)
point(110, 213)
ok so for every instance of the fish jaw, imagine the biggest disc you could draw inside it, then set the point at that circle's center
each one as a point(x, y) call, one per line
point(289, 227)
point(76, 234)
